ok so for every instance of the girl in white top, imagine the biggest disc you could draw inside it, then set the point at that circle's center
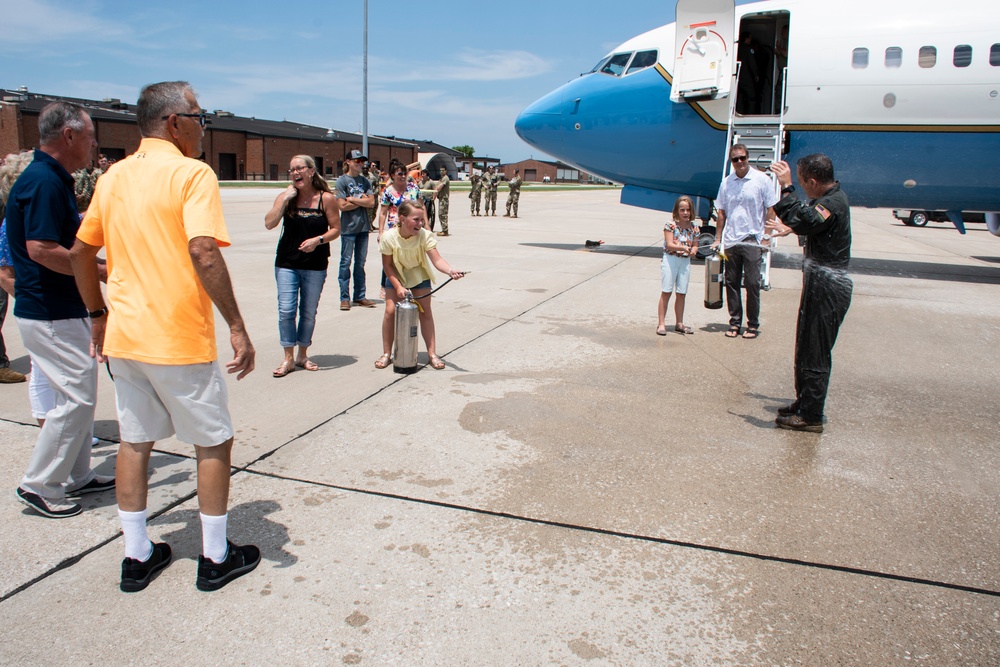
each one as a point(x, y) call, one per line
point(409, 255)
point(680, 244)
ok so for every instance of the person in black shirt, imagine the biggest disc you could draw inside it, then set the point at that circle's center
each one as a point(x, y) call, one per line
point(825, 222)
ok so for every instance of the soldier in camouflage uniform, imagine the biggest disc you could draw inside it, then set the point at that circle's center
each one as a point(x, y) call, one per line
point(84, 181)
point(427, 196)
point(490, 182)
point(443, 195)
point(475, 194)
point(515, 193)
point(375, 178)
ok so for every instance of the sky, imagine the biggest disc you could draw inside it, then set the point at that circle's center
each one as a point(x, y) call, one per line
point(456, 73)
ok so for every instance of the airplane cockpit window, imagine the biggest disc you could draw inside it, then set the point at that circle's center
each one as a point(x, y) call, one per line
point(616, 65)
point(927, 57)
point(995, 55)
point(642, 60)
point(600, 64)
point(893, 57)
point(963, 55)
point(859, 59)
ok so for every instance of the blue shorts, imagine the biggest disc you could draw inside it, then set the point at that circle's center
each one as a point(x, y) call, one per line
point(424, 285)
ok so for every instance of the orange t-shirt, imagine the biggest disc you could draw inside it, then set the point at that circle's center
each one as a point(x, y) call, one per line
point(145, 210)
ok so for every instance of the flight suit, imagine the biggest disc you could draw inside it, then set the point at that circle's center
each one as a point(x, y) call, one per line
point(826, 291)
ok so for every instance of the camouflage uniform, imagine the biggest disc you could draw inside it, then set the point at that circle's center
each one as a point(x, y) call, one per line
point(84, 182)
point(475, 194)
point(443, 195)
point(490, 182)
point(514, 195)
point(427, 197)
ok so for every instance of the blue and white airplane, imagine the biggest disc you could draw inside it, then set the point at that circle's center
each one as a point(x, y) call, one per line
point(903, 96)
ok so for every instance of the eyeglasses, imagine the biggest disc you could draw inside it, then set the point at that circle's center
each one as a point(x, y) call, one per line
point(357, 159)
point(295, 170)
point(737, 158)
point(202, 117)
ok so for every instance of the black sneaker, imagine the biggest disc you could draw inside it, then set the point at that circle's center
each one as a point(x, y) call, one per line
point(136, 574)
point(96, 485)
point(239, 560)
point(54, 509)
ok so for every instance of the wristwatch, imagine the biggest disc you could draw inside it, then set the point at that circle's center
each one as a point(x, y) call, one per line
point(101, 312)
point(787, 189)
point(321, 240)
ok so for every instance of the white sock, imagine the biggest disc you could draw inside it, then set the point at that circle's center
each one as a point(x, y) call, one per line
point(137, 544)
point(213, 537)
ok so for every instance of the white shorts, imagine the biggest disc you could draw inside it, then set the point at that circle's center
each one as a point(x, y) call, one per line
point(675, 272)
point(155, 402)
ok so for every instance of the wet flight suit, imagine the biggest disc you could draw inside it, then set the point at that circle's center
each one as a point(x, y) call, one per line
point(826, 291)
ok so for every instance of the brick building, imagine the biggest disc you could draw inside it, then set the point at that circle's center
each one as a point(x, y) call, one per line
point(237, 148)
point(544, 171)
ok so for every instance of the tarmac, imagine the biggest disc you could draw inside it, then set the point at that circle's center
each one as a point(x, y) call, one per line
point(572, 489)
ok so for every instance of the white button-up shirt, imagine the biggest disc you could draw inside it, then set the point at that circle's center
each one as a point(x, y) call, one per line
point(745, 202)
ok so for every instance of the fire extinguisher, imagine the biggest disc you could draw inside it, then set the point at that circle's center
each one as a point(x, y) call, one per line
point(404, 360)
point(714, 280)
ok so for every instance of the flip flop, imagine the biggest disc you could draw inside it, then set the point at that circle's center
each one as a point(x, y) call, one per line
point(284, 369)
point(682, 329)
point(733, 332)
point(661, 331)
point(308, 364)
point(436, 362)
point(750, 334)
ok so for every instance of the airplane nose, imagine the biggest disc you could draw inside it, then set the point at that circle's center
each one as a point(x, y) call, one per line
point(540, 123)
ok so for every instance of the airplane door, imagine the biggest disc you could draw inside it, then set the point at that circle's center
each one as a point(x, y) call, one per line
point(703, 62)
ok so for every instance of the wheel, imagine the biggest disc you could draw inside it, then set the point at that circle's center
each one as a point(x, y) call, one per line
point(705, 239)
point(918, 219)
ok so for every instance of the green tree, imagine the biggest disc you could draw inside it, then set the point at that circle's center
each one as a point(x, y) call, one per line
point(467, 151)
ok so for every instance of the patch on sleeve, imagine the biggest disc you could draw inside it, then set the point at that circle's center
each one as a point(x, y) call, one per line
point(823, 212)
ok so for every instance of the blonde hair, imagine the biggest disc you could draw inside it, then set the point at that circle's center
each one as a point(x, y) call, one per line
point(11, 168)
point(677, 207)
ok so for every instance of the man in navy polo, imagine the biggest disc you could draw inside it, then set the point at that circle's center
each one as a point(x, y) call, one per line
point(42, 221)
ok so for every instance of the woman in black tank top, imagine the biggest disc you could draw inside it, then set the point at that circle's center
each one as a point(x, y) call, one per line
point(310, 221)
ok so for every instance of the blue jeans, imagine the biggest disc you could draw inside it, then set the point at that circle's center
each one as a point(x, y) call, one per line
point(297, 291)
point(356, 246)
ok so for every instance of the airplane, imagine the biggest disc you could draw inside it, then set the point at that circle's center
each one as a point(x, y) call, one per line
point(903, 96)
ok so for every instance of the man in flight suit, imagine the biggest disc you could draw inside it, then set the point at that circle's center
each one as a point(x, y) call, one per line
point(825, 221)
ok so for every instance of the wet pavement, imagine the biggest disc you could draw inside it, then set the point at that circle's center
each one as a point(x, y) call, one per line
point(572, 488)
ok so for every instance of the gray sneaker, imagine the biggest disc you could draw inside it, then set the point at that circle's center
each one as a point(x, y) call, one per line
point(54, 509)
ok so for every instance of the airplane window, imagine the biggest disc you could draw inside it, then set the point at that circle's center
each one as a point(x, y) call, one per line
point(859, 60)
point(642, 60)
point(616, 65)
point(963, 55)
point(893, 57)
point(600, 64)
point(927, 57)
point(995, 55)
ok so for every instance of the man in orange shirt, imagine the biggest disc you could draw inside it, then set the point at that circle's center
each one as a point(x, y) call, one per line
point(159, 215)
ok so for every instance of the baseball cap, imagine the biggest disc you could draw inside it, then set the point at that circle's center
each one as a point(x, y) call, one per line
point(356, 155)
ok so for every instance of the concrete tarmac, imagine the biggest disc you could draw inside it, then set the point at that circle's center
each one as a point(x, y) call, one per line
point(572, 489)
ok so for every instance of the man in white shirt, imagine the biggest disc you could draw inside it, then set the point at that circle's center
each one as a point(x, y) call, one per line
point(745, 202)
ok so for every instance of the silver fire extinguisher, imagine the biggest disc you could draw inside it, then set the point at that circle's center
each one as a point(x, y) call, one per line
point(404, 360)
point(714, 281)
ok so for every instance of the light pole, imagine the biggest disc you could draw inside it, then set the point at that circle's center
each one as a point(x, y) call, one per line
point(364, 92)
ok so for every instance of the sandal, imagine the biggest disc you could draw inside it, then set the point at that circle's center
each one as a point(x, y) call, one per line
point(436, 362)
point(284, 369)
point(733, 332)
point(307, 364)
point(683, 329)
point(383, 361)
point(661, 331)
point(750, 334)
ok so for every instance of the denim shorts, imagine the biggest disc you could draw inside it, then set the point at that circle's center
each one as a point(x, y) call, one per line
point(424, 285)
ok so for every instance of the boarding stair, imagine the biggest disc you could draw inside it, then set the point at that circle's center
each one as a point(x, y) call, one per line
point(764, 138)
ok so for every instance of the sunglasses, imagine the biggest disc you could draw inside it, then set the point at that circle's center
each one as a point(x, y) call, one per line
point(202, 117)
point(737, 158)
